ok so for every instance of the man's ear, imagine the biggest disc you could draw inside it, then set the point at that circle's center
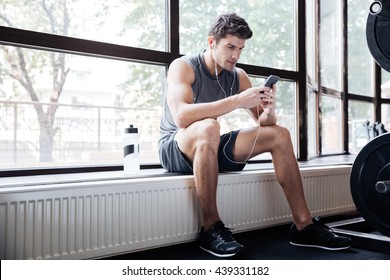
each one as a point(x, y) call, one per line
point(211, 41)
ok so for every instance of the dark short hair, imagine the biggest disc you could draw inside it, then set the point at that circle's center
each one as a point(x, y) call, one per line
point(230, 24)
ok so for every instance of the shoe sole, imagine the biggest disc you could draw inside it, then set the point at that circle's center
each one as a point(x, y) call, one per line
point(219, 255)
point(321, 247)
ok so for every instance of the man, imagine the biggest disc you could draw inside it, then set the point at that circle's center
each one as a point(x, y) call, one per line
point(200, 89)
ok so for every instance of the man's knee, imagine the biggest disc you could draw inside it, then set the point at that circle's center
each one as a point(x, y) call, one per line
point(278, 134)
point(206, 129)
point(282, 135)
point(208, 133)
point(210, 127)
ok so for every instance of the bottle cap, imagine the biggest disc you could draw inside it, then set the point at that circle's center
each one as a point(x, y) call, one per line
point(131, 129)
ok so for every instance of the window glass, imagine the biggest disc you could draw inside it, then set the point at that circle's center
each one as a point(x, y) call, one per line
point(360, 121)
point(331, 43)
point(360, 62)
point(134, 23)
point(272, 23)
point(386, 116)
point(385, 88)
point(331, 125)
point(62, 109)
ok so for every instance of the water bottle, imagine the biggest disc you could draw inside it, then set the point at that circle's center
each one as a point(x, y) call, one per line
point(131, 164)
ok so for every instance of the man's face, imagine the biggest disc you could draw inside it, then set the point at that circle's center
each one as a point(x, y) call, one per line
point(228, 51)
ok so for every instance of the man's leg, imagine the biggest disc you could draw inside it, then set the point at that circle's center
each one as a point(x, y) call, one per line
point(276, 139)
point(199, 143)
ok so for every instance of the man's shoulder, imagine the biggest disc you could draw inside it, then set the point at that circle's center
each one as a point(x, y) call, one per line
point(181, 71)
point(186, 63)
point(192, 59)
point(180, 64)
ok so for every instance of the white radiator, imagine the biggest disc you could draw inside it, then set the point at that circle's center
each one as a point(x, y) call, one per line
point(92, 219)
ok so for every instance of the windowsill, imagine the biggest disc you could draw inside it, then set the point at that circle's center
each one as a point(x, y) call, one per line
point(18, 181)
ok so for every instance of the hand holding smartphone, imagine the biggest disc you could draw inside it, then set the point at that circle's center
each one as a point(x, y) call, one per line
point(271, 80)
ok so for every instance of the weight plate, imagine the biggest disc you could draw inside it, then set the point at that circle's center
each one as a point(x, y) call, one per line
point(377, 34)
point(371, 165)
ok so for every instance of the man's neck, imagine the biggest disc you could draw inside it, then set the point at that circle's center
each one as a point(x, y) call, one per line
point(210, 62)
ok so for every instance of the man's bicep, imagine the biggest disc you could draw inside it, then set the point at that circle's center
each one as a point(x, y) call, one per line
point(178, 96)
point(179, 80)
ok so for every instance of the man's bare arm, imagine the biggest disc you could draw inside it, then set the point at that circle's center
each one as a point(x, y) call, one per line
point(180, 98)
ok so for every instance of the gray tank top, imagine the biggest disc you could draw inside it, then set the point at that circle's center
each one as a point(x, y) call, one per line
point(205, 89)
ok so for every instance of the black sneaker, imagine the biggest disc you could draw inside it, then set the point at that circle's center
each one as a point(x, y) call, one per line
point(318, 235)
point(219, 241)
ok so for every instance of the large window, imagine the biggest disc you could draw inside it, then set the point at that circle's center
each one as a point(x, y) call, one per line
point(77, 116)
point(339, 91)
point(74, 75)
point(63, 109)
point(69, 106)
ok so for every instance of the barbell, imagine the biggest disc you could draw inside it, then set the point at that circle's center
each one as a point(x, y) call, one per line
point(370, 174)
point(370, 183)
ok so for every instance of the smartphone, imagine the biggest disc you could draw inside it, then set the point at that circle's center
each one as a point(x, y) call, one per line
point(271, 80)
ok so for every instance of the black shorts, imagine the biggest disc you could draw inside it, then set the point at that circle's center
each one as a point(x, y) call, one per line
point(173, 160)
